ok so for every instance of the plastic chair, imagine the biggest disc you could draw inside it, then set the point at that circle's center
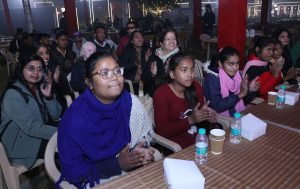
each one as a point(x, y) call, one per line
point(205, 44)
point(11, 172)
point(8, 59)
point(50, 165)
point(54, 174)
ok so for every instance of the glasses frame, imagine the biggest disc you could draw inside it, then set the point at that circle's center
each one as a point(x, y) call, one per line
point(39, 69)
point(110, 71)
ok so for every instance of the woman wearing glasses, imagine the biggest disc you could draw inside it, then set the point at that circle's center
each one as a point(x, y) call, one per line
point(106, 130)
point(27, 105)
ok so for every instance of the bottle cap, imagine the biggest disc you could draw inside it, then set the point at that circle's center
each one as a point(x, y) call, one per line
point(282, 87)
point(237, 115)
point(201, 131)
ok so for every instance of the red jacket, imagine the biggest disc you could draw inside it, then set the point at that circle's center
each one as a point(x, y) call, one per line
point(122, 44)
point(267, 83)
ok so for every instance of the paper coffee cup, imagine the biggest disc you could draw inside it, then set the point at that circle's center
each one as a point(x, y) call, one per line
point(272, 97)
point(216, 138)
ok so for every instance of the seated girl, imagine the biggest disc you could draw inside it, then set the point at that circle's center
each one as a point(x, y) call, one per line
point(106, 129)
point(224, 87)
point(173, 99)
point(270, 79)
point(27, 105)
point(259, 65)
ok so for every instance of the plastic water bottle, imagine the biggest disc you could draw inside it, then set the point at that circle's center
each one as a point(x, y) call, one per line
point(201, 147)
point(280, 100)
point(236, 129)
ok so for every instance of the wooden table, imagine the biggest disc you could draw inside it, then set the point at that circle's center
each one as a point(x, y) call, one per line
point(271, 161)
point(289, 117)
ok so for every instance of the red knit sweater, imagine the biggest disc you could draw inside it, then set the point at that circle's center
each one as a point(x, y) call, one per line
point(267, 83)
point(167, 110)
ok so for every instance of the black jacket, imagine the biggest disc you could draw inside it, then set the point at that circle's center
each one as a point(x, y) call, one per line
point(127, 60)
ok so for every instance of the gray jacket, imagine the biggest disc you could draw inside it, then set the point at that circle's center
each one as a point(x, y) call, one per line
point(26, 129)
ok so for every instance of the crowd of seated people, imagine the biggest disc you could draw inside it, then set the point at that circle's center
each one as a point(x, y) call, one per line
point(46, 71)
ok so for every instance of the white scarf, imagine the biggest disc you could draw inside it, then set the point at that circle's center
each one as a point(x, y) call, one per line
point(160, 54)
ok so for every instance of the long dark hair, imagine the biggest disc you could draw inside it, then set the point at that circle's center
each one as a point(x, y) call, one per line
point(163, 34)
point(278, 32)
point(18, 73)
point(190, 92)
point(262, 42)
point(222, 56)
point(130, 44)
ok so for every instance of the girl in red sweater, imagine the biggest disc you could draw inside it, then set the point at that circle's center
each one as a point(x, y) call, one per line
point(172, 99)
point(268, 80)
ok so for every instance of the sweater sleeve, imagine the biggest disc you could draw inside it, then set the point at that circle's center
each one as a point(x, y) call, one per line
point(164, 126)
point(212, 91)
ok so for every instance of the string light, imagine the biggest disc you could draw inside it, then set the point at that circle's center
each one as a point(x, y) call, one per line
point(157, 6)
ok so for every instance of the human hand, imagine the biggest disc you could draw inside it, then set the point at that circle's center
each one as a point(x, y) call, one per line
point(56, 74)
point(129, 160)
point(153, 69)
point(291, 74)
point(254, 85)
point(147, 55)
point(243, 87)
point(46, 86)
point(275, 69)
point(148, 152)
point(212, 114)
point(204, 113)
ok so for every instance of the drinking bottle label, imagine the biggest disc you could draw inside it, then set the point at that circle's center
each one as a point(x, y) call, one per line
point(280, 99)
point(201, 151)
point(235, 132)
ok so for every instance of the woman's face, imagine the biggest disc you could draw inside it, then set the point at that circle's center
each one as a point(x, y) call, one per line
point(138, 39)
point(277, 52)
point(231, 65)
point(266, 53)
point(169, 43)
point(109, 88)
point(33, 72)
point(44, 54)
point(184, 73)
point(284, 38)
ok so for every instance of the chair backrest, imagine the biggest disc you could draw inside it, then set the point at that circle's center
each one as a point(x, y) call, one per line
point(199, 71)
point(129, 83)
point(50, 165)
point(11, 173)
point(204, 38)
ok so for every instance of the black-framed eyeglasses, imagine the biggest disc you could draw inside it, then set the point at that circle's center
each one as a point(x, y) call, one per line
point(107, 73)
point(31, 69)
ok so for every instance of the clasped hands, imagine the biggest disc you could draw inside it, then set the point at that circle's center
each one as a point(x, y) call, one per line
point(203, 113)
point(136, 157)
point(246, 85)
